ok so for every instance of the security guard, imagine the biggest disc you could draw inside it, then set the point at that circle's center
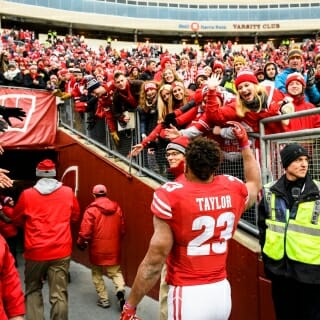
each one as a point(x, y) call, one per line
point(289, 228)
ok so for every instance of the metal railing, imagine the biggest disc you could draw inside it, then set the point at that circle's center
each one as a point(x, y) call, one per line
point(154, 165)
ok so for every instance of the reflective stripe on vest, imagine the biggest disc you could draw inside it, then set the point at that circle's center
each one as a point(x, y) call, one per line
point(299, 238)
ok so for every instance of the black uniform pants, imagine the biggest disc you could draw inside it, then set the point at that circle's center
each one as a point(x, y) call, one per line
point(294, 300)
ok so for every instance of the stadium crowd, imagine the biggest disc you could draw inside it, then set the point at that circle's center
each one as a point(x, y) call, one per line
point(172, 96)
point(187, 93)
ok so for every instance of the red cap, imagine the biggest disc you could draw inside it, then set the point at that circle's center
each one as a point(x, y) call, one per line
point(150, 86)
point(218, 65)
point(245, 76)
point(164, 61)
point(295, 76)
point(179, 144)
point(99, 189)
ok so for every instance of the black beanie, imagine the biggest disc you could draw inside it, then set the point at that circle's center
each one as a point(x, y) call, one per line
point(292, 152)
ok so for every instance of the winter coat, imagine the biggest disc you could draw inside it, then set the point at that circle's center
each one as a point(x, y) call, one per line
point(29, 78)
point(11, 294)
point(102, 227)
point(45, 211)
point(302, 123)
point(8, 230)
point(217, 115)
point(126, 100)
point(302, 272)
point(311, 93)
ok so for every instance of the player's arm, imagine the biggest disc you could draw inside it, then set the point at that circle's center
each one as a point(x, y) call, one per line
point(251, 167)
point(150, 268)
point(252, 175)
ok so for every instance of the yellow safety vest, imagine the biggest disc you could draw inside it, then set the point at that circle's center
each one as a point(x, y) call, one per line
point(298, 238)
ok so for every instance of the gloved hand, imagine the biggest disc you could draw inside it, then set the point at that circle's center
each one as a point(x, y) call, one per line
point(115, 137)
point(82, 245)
point(128, 313)
point(3, 125)
point(170, 118)
point(91, 122)
point(311, 77)
point(57, 93)
point(287, 108)
point(240, 134)
point(65, 96)
point(7, 113)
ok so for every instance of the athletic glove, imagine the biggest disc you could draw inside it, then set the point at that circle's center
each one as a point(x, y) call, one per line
point(170, 118)
point(240, 134)
point(82, 245)
point(7, 113)
point(115, 137)
point(3, 125)
point(128, 313)
point(91, 122)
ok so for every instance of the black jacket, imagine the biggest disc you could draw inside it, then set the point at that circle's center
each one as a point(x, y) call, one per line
point(305, 273)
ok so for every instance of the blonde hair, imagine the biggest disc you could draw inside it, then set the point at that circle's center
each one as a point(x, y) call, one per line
point(175, 74)
point(164, 107)
point(242, 109)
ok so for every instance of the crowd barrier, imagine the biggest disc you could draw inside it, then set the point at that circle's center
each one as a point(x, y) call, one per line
point(154, 165)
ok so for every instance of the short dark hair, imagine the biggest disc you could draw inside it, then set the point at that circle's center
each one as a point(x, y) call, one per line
point(151, 61)
point(203, 157)
point(117, 74)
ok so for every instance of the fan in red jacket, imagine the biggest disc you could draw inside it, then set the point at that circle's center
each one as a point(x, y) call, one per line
point(7, 229)
point(295, 85)
point(11, 294)
point(101, 228)
point(253, 103)
point(45, 212)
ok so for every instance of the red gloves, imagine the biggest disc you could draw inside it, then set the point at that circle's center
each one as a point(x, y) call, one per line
point(128, 313)
point(240, 134)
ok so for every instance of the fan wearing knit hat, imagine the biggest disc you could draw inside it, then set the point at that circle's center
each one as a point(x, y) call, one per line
point(296, 64)
point(46, 169)
point(92, 84)
point(175, 152)
point(218, 68)
point(46, 211)
point(292, 152)
point(295, 102)
point(295, 53)
point(251, 96)
point(252, 103)
point(297, 77)
point(289, 216)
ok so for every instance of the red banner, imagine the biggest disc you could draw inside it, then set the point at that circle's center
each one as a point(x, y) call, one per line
point(39, 127)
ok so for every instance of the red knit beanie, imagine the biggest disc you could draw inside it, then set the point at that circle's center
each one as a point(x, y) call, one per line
point(218, 65)
point(164, 60)
point(178, 144)
point(46, 168)
point(295, 76)
point(245, 76)
point(150, 86)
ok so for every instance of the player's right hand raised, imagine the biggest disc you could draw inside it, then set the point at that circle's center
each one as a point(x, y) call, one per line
point(240, 134)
